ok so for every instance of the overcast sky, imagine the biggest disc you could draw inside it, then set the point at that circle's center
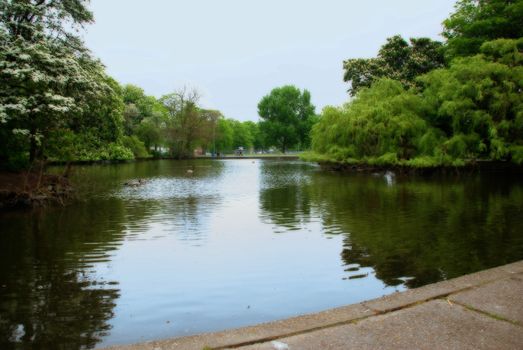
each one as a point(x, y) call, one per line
point(236, 51)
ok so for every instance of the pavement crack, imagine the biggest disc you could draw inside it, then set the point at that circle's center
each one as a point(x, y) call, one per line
point(488, 314)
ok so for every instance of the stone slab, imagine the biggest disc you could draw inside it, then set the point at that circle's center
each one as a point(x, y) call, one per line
point(486, 276)
point(501, 298)
point(433, 325)
point(516, 267)
point(440, 289)
point(261, 332)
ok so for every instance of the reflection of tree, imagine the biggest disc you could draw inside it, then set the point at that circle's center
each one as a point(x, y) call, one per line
point(283, 196)
point(418, 231)
point(100, 179)
point(187, 217)
point(61, 311)
point(424, 229)
point(285, 206)
point(48, 297)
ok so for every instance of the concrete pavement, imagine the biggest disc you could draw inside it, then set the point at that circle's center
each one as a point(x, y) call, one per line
point(483, 310)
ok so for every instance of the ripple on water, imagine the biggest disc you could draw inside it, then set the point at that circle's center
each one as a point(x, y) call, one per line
point(165, 188)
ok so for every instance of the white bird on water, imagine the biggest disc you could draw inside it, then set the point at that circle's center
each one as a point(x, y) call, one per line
point(389, 177)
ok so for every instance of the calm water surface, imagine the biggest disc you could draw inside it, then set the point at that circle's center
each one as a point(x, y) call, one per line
point(237, 243)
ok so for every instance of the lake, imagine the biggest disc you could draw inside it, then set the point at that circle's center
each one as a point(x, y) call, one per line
point(235, 243)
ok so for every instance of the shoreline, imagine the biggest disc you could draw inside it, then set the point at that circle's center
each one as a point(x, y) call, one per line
point(26, 190)
point(437, 309)
point(22, 190)
point(477, 166)
point(110, 162)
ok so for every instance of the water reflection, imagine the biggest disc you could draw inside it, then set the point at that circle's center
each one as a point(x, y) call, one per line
point(46, 283)
point(430, 230)
point(411, 231)
point(284, 199)
point(236, 243)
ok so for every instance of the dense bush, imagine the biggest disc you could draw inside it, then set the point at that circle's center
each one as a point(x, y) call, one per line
point(65, 145)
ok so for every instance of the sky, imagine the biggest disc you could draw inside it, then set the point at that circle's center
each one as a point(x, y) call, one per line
point(236, 51)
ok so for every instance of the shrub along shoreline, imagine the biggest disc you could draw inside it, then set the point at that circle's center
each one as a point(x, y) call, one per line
point(32, 189)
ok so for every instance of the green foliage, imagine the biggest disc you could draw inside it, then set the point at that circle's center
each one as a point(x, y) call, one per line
point(471, 110)
point(151, 130)
point(136, 146)
point(477, 21)
point(65, 145)
point(138, 107)
point(16, 162)
point(382, 120)
point(396, 60)
point(505, 51)
point(258, 140)
point(287, 115)
point(28, 19)
point(242, 136)
point(118, 152)
point(480, 97)
point(51, 85)
point(224, 136)
point(231, 134)
point(517, 154)
point(188, 125)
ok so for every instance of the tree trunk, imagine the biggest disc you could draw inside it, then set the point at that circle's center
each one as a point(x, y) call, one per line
point(33, 149)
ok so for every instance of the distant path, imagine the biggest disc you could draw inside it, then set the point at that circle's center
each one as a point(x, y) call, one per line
point(483, 310)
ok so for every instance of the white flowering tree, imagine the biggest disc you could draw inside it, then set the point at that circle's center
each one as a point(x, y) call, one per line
point(47, 77)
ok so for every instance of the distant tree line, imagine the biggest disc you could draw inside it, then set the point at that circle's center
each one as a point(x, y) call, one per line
point(57, 103)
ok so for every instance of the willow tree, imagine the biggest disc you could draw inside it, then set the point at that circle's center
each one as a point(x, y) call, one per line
point(471, 110)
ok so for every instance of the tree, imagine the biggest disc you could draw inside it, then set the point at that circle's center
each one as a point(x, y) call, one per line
point(383, 122)
point(152, 129)
point(477, 21)
point(48, 77)
point(286, 114)
point(208, 128)
point(224, 136)
point(242, 136)
point(258, 141)
point(478, 103)
point(186, 123)
point(396, 60)
point(33, 19)
point(138, 107)
point(471, 110)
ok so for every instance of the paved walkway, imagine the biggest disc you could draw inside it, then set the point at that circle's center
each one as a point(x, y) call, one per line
point(483, 310)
